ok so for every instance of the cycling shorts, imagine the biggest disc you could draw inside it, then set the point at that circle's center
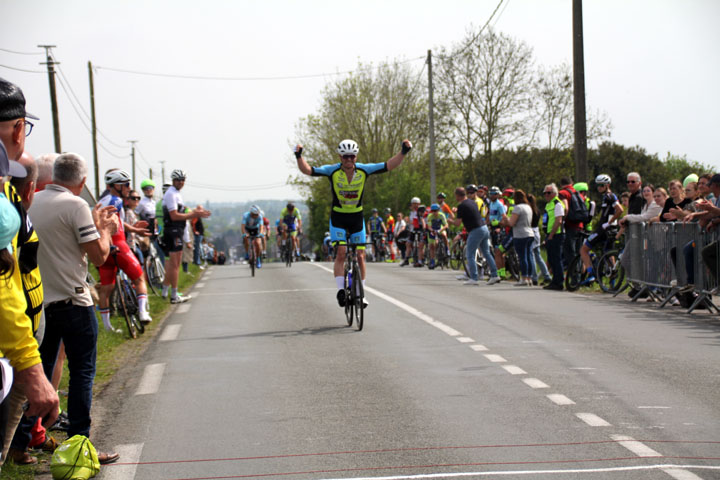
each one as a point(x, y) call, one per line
point(124, 259)
point(253, 232)
point(173, 238)
point(390, 237)
point(600, 236)
point(433, 236)
point(497, 235)
point(507, 242)
point(344, 224)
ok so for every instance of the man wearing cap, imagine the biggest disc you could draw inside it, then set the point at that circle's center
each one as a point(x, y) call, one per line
point(17, 341)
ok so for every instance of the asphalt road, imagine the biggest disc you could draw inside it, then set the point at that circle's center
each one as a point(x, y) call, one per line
point(259, 377)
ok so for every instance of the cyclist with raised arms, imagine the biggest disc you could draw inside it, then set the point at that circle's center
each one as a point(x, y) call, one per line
point(347, 182)
point(253, 226)
point(293, 224)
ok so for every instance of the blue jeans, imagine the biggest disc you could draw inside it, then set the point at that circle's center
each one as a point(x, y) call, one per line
point(538, 262)
point(523, 249)
point(77, 327)
point(479, 237)
point(555, 258)
point(197, 250)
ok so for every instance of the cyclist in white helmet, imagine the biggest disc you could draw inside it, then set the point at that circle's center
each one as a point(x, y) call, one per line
point(347, 183)
point(174, 219)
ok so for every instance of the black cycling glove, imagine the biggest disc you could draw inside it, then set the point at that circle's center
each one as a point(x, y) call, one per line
point(298, 152)
point(406, 148)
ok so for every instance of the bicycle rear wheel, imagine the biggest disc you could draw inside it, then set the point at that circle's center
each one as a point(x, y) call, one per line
point(512, 264)
point(610, 272)
point(575, 274)
point(456, 256)
point(358, 295)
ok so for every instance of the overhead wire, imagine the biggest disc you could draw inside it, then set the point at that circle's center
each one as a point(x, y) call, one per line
point(239, 79)
point(22, 69)
point(477, 35)
point(20, 53)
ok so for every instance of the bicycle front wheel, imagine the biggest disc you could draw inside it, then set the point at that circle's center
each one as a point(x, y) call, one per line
point(610, 272)
point(348, 299)
point(253, 261)
point(133, 306)
point(358, 296)
point(123, 307)
point(456, 256)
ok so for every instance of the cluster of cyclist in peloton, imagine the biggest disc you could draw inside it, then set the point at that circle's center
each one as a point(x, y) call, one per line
point(512, 216)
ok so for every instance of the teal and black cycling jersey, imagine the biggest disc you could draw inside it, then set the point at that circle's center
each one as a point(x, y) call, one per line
point(347, 195)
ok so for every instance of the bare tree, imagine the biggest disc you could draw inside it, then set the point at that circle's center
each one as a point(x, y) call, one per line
point(485, 94)
point(553, 110)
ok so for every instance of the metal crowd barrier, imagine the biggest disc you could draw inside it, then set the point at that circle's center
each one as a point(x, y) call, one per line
point(656, 263)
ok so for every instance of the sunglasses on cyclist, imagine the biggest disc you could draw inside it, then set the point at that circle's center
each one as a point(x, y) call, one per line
point(134, 198)
point(349, 157)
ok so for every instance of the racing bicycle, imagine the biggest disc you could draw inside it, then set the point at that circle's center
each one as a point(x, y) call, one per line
point(354, 292)
point(123, 301)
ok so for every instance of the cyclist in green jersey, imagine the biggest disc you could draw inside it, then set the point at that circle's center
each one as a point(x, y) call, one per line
point(347, 183)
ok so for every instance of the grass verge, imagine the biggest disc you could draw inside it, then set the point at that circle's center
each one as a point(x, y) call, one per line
point(112, 351)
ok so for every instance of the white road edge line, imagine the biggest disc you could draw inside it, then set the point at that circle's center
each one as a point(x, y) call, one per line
point(150, 381)
point(412, 311)
point(184, 308)
point(514, 370)
point(592, 420)
point(535, 383)
point(130, 455)
point(170, 333)
point(533, 472)
point(638, 448)
point(560, 399)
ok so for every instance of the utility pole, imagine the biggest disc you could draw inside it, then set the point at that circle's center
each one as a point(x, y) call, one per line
point(96, 162)
point(162, 171)
point(431, 119)
point(132, 155)
point(53, 95)
point(581, 163)
point(150, 172)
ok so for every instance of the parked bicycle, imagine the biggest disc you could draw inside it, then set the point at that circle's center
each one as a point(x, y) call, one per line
point(154, 269)
point(123, 301)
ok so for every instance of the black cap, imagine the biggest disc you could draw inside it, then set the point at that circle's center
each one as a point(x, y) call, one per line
point(715, 178)
point(12, 102)
point(10, 167)
point(471, 188)
point(441, 195)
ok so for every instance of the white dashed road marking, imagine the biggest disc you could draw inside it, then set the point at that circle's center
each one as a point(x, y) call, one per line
point(495, 358)
point(465, 340)
point(535, 383)
point(170, 333)
point(200, 285)
point(592, 420)
point(514, 370)
point(679, 474)
point(130, 455)
point(151, 379)
point(479, 348)
point(638, 448)
point(560, 399)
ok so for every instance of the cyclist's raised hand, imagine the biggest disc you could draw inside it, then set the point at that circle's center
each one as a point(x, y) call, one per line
point(298, 151)
point(406, 146)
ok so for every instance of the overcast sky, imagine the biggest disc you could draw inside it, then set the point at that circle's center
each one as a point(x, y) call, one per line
point(652, 65)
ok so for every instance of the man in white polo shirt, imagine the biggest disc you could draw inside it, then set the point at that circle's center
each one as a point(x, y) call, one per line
point(68, 230)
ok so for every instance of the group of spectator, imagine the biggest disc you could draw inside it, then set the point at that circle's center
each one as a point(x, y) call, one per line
point(47, 235)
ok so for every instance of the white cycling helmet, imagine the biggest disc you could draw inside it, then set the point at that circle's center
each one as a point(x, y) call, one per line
point(348, 147)
point(254, 210)
point(178, 174)
point(415, 200)
point(603, 179)
point(117, 176)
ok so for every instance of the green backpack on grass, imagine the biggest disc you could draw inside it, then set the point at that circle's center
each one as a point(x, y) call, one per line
point(75, 459)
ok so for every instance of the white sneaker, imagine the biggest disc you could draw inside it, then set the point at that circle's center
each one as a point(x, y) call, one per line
point(145, 317)
point(462, 278)
point(365, 302)
point(493, 280)
point(180, 299)
point(471, 282)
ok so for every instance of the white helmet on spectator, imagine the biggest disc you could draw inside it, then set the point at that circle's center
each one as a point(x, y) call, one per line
point(178, 174)
point(117, 176)
point(415, 200)
point(348, 147)
point(603, 179)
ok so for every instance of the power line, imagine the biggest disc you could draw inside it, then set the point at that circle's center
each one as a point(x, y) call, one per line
point(237, 79)
point(507, 2)
point(20, 53)
point(137, 149)
point(468, 44)
point(67, 82)
point(22, 69)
